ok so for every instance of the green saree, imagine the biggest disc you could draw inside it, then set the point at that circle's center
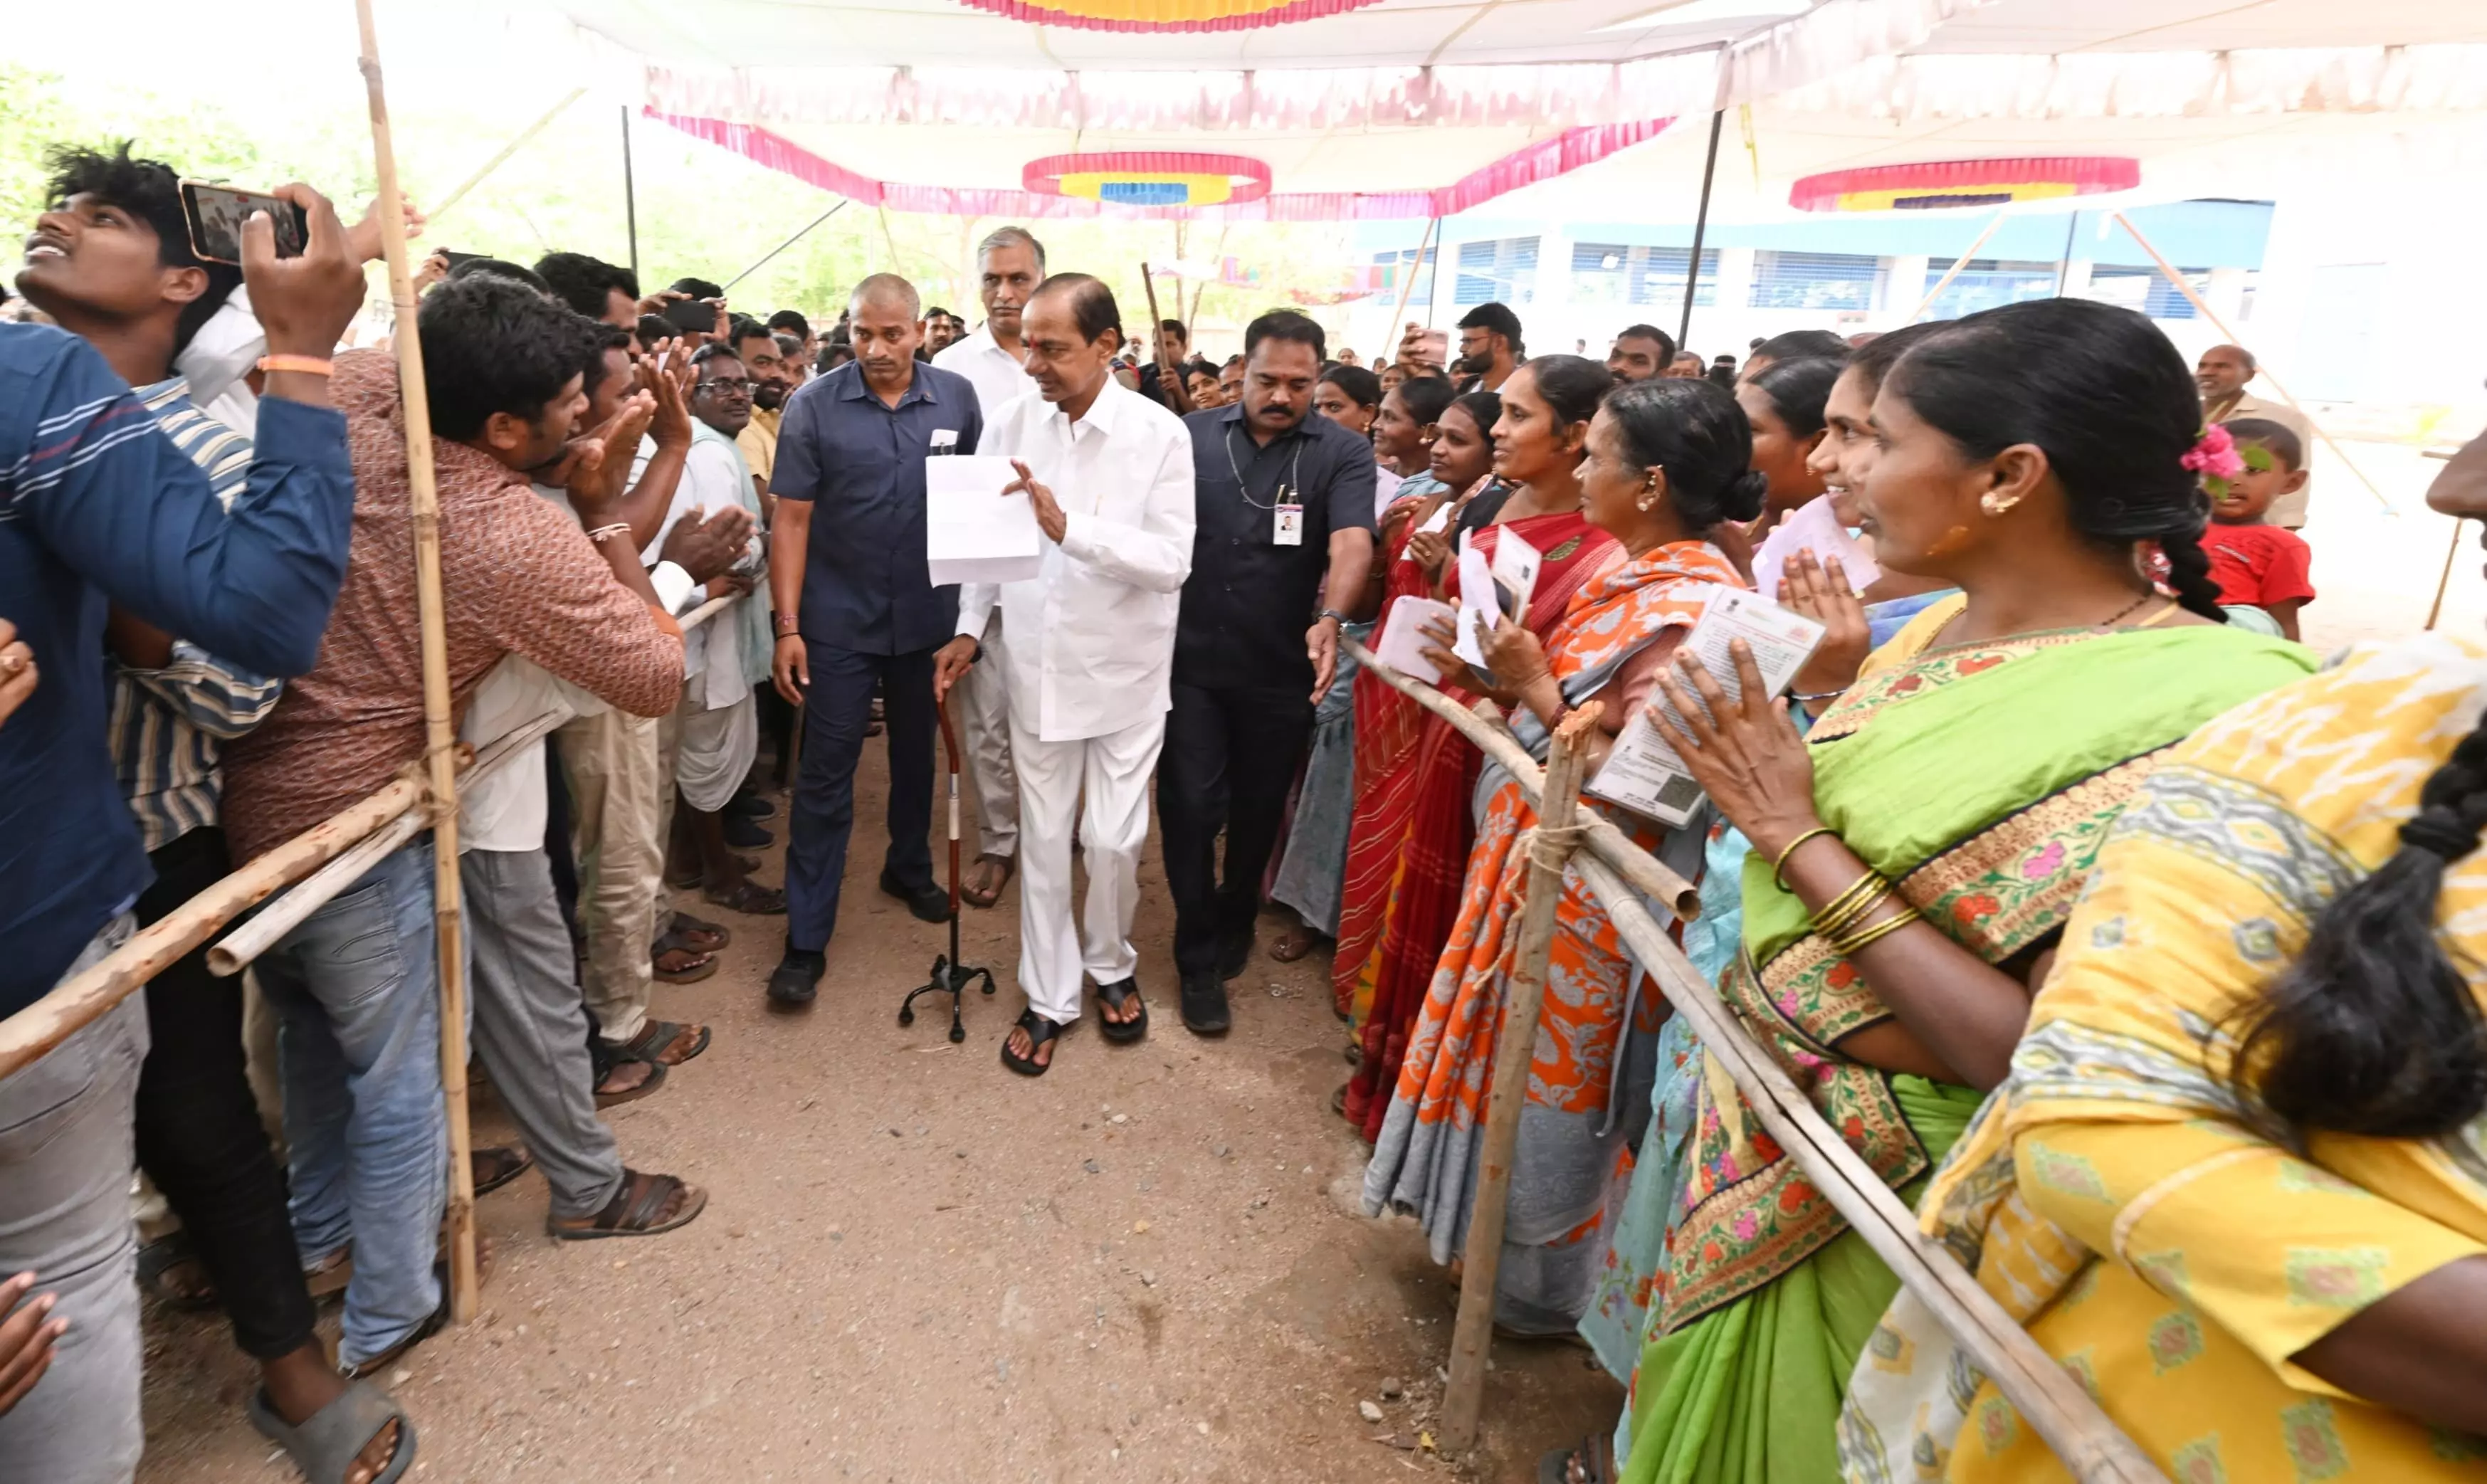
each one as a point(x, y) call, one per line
point(1980, 778)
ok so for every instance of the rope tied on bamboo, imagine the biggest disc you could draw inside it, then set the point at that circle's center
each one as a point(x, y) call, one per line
point(1552, 845)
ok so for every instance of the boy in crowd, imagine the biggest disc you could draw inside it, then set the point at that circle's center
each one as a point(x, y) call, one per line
point(2258, 565)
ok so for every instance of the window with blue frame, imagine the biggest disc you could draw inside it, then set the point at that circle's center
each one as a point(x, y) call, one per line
point(1390, 270)
point(1617, 274)
point(2147, 289)
point(1990, 283)
point(1828, 280)
point(1500, 271)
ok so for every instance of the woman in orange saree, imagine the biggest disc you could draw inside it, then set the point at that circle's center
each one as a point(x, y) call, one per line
point(1667, 466)
point(1403, 886)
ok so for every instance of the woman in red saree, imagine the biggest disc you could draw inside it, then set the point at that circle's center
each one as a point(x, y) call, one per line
point(1408, 848)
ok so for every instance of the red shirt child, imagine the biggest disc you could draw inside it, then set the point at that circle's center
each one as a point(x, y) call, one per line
point(2256, 565)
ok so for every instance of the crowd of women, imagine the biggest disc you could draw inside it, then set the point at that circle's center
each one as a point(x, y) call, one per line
point(2136, 952)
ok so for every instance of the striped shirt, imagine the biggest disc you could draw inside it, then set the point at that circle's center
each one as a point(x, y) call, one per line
point(166, 725)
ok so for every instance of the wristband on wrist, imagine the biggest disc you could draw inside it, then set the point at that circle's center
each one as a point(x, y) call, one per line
point(1334, 615)
point(787, 623)
point(308, 365)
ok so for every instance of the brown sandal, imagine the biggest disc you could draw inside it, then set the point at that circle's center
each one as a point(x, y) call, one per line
point(634, 1209)
point(659, 1042)
point(751, 898)
point(693, 966)
point(654, 1084)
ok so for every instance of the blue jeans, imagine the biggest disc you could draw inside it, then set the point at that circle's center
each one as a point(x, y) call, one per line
point(359, 1045)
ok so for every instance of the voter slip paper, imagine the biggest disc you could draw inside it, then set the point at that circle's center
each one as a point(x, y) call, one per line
point(1643, 773)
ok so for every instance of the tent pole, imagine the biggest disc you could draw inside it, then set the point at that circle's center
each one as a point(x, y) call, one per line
point(2443, 583)
point(2064, 270)
point(1700, 228)
point(440, 740)
point(508, 150)
point(2205, 310)
point(1952, 272)
point(1399, 315)
point(789, 243)
point(630, 193)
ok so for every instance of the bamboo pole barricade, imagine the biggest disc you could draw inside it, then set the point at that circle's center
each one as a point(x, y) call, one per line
point(1550, 849)
point(1954, 271)
point(1170, 379)
point(2089, 1444)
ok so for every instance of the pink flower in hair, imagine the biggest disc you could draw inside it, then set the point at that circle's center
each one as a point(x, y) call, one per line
point(2215, 457)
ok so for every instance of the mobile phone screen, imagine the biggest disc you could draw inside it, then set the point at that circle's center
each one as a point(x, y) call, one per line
point(216, 214)
point(691, 315)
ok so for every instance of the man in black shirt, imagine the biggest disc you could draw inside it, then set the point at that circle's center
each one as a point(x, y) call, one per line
point(1280, 495)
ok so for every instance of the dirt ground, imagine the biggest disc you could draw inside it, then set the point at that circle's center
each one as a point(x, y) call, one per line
point(917, 1267)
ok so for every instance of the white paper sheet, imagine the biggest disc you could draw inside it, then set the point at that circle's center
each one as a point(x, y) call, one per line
point(974, 532)
point(1403, 638)
point(1814, 526)
point(1441, 521)
point(1515, 568)
point(1476, 597)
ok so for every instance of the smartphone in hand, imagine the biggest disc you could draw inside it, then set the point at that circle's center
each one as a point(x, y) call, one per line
point(215, 214)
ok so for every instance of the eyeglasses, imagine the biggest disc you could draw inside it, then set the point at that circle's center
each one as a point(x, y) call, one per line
point(723, 387)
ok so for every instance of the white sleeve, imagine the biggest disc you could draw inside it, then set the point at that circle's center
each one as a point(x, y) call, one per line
point(678, 590)
point(1155, 556)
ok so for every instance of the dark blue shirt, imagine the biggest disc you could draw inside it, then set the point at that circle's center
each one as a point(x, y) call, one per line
point(860, 462)
point(96, 506)
point(1249, 600)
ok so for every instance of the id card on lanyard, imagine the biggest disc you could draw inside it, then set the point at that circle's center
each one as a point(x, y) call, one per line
point(1288, 527)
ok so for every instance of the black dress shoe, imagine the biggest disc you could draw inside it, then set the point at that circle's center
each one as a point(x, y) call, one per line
point(928, 902)
point(750, 805)
point(1204, 1005)
point(1232, 956)
point(741, 833)
point(796, 978)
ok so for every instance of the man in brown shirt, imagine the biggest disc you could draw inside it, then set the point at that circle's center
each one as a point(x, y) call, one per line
point(355, 982)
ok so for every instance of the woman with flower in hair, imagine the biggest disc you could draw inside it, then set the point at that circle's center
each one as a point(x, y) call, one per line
point(1916, 854)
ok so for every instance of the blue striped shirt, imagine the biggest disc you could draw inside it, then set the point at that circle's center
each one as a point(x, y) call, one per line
point(166, 725)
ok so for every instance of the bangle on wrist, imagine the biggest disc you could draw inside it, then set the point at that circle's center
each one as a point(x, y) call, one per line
point(1856, 942)
point(1778, 866)
point(308, 365)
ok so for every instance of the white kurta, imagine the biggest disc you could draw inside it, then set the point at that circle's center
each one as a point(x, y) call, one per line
point(1087, 677)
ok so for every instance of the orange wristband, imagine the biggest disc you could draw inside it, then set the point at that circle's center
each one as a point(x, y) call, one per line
point(309, 365)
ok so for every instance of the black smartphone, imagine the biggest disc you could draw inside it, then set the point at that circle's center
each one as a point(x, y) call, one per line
point(215, 214)
point(698, 315)
point(453, 258)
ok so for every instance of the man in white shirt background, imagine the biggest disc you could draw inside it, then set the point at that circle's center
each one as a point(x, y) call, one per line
point(1009, 263)
point(1087, 685)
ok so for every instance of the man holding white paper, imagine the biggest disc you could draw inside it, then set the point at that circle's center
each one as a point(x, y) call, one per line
point(1106, 477)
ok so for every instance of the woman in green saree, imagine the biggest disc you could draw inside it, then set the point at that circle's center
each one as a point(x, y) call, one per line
point(1916, 854)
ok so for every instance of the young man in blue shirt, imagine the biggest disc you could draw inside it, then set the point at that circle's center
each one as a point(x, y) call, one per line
point(97, 509)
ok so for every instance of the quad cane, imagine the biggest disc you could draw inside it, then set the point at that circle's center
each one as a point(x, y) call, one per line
point(949, 976)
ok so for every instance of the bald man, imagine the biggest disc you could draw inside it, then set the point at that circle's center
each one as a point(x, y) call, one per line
point(856, 607)
point(2223, 373)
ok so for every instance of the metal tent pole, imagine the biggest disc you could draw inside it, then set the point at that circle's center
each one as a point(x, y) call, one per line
point(630, 192)
point(1700, 228)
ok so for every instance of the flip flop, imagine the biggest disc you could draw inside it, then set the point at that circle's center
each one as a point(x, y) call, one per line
point(1010, 868)
point(657, 1037)
point(329, 1441)
point(692, 927)
point(702, 965)
point(1040, 1030)
point(508, 1165)
point(656, 1073)
point(1116, 995)
point(751, 898)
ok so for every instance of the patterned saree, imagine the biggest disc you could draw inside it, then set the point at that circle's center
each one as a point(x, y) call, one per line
point(1980, 778)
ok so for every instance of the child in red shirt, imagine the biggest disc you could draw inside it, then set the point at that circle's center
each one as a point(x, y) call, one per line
point(2256, 565)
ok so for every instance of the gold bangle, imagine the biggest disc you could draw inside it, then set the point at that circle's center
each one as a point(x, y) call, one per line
point(1877, 933)
point(1853, 906)
point(1778, 867)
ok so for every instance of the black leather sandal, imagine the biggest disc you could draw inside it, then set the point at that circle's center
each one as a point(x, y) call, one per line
point(1117, 994)
point(1040, 1030)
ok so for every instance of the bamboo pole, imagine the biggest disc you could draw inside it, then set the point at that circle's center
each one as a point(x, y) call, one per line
point(1523, 996)
point(2443, 583)
point(2169, 270)
point(1609, 844)
point(1399, 315)
point(505, 151)
point(464, 1280)
point(26, 1036)
point(1176, 387)
point(1952, 272)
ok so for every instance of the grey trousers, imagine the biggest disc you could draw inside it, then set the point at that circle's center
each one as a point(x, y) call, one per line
point(66, 1151)
point(530, 1027)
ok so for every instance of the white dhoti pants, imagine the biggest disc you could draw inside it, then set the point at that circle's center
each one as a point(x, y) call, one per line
point(982, 702)
point(715, 751)
point(1113, 772)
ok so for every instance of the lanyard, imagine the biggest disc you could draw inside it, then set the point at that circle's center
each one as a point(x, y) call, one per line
point(1294, 470)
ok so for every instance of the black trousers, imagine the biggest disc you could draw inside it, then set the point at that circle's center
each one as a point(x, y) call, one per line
point(835, 713)
point(1229, 757)
point(198, 1131)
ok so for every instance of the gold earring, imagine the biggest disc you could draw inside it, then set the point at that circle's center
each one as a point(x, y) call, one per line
point(1649, 501)
point(1995, 504)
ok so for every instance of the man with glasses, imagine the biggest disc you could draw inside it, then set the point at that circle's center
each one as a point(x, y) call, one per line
point(715, 733)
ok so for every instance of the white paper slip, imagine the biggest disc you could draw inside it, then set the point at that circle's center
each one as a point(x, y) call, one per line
point(1441, 521)
point(1476, 598)
point(974, 532)
point(1403, 638)
point(1643, 773)
point(1515, 569)
point(1814, 527)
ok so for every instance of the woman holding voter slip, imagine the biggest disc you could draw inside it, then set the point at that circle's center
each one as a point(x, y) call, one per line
point(1534, 511)
point(1916, 854)
point(1666, 467)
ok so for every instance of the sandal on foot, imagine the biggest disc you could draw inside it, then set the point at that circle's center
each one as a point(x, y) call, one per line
point(659, 1040)
point(1123, 991)
point(634, 1210)
point(1010, 868)
point(1040, 1031)
point(159, 1260)
point(327, 1277)
point(656, 1081)
point(495, 1165)
point(696, 965)
point(750, 898)
point(1590, 1461)
point(325, 1446)
point(699, 935)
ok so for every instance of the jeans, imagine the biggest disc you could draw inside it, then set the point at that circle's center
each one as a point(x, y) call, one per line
point(65, 1148)
point(200, 1137)
point(360, 995)
point(1229, 757)
point(835, 714)
point(531, 1029)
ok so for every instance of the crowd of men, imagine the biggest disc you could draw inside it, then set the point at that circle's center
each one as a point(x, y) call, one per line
point(201, 492)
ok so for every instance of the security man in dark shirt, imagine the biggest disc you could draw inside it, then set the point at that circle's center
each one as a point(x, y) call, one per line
point(1281, 495)
point(856, 606)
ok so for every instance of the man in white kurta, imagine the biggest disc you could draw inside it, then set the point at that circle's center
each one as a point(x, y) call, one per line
point(1109, 473)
